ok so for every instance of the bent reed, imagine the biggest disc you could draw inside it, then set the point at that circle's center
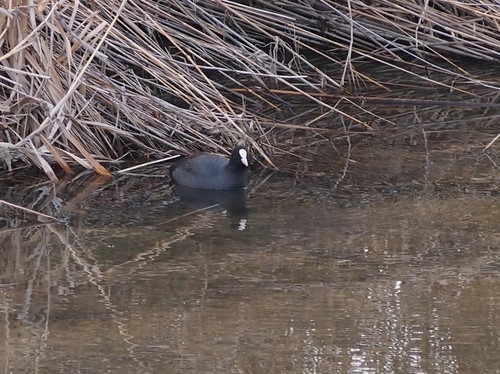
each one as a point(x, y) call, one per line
point(87, 83)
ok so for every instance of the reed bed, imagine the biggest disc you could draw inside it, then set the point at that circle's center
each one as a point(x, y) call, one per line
point(87, 83)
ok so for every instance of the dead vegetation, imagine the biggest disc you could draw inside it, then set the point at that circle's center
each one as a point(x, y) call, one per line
point(87, 83)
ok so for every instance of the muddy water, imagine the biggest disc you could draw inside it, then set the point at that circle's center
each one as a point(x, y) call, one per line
point(394, 270)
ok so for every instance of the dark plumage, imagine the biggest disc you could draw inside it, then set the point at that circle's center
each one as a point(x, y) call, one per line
point(213, 172)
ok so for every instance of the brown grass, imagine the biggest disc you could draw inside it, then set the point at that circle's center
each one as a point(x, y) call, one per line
point(87, 83)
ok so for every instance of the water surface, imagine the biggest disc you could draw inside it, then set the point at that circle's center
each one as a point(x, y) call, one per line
point(389, 266)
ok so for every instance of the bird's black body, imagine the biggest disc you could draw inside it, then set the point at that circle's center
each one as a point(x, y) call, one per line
point(212, 172)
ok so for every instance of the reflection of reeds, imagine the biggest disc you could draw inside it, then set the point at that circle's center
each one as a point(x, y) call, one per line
point(54, 271)
point(50, 262)
point(87, 83)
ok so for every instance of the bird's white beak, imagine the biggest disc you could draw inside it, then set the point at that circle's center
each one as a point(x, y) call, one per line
point(244, 157)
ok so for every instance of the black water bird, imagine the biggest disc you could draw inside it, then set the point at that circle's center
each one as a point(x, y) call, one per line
point(213, 172)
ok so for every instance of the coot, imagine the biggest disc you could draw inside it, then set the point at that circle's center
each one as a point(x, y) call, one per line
point(213, 172)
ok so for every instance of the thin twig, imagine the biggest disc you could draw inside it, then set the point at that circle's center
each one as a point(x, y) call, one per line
point(28, 210)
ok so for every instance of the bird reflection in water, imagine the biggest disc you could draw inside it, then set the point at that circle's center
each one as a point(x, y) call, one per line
point(234, 202)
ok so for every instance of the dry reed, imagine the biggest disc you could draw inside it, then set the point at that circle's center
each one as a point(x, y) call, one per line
point(85, 83)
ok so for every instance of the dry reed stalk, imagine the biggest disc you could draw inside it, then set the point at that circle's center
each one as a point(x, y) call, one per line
point(15, 206)
point(85, 83)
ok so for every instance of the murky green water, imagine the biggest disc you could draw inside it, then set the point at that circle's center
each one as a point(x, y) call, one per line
point(394, 270)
